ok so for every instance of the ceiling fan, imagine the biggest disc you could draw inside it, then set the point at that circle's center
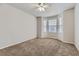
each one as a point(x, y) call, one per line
point(41, 6)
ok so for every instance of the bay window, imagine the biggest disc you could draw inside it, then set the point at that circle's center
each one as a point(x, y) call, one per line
point(50, 25)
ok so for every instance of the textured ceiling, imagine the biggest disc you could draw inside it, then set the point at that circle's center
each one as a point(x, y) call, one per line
point(53, 9)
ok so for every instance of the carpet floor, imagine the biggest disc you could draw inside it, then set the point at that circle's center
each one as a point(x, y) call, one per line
point(40, 47)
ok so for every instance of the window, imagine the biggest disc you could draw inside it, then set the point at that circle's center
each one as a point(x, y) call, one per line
point(52, 24)
point(45, 25)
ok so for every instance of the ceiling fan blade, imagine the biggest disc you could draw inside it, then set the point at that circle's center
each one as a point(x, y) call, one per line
point(45, 6)
point(40, 6)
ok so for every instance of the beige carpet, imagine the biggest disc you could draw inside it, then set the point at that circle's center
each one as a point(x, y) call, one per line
point(41, 47)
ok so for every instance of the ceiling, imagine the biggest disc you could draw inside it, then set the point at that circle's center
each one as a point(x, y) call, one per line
point(53, 9)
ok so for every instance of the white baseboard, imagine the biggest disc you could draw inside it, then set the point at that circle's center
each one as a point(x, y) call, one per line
point(67, 42)
point(14, 43)
point(77, 46)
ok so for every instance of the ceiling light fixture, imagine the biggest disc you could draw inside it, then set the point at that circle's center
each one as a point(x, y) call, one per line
point(42, 6)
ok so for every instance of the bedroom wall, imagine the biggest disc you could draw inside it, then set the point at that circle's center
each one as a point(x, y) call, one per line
point(16, 26)
point(77, 26)
point(39, 24)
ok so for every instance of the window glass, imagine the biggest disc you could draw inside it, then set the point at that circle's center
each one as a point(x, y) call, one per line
point(45, 25)
point(52, 24)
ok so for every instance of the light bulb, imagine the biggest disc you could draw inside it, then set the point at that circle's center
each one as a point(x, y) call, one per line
point(41, 9)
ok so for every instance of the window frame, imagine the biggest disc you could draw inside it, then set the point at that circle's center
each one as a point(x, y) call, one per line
point(47, 24)
point(59, 27)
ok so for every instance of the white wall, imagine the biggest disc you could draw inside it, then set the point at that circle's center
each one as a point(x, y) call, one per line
point(39, 24)
point(77, 26)
point(43, 34)
point(68, 21)
point(15, 26)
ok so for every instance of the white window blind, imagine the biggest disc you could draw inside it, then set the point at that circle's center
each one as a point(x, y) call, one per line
point(53, 24)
